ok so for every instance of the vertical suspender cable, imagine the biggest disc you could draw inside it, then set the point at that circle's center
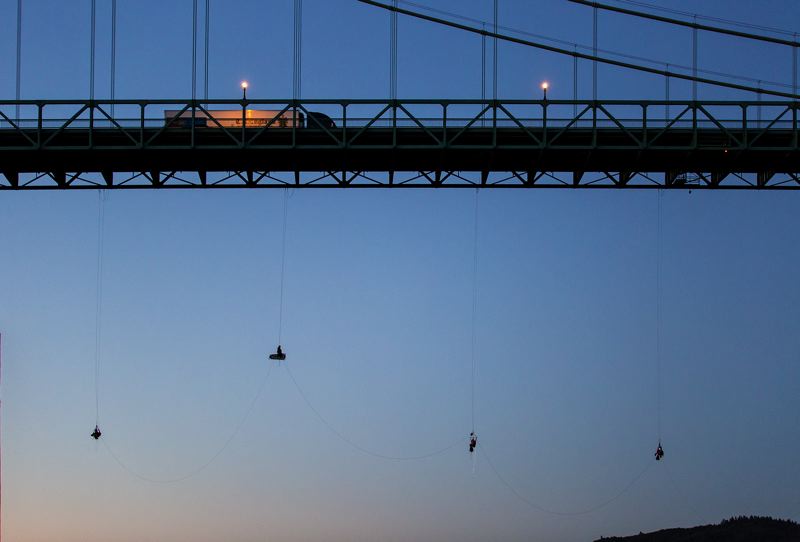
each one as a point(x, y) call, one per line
point(483, 74)
point(494, 49)
point(194, 49)
point(660, 234)
point(758, 109)
point(297, 49)
point(794, 66)
point(113, 52)
point(98, 312)
point(205, 52)
point(474, 309)
point(283, 262)
point(575, 84)
point(92, 34)
point(19, 56)
point(694, 61)
point(594, 53)
point(393, 53)
point(666, 96)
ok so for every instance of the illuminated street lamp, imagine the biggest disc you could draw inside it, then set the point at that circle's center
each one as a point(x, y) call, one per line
point(244, 90)
point(545, 86)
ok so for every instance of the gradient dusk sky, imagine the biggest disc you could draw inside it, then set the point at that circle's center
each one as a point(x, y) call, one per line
point(378, 301)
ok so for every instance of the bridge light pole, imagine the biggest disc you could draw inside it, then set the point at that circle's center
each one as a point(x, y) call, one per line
point(545, 86)
point(244, 90)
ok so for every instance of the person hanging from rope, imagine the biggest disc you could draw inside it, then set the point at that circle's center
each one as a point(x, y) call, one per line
point(96, 433)
point(473, 441)
point(279, 355)
point(659, 452)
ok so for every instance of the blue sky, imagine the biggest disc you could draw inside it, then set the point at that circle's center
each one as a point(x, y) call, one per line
point(378, 300)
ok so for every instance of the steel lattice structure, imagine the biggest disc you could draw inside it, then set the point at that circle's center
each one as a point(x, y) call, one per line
point(73, 144)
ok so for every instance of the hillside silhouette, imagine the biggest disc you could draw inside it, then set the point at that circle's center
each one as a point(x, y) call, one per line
point(736, 529)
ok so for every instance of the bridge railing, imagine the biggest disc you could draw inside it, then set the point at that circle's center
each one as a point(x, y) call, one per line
point(54, 114)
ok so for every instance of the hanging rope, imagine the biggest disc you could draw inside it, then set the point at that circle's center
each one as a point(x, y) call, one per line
point(92, 34)
point(207, 463)
point(474, 308)
point(98, 309)
point(356, 446)
point(660, 196)
point(535, 506)
point(19, 57)
point(283, 262)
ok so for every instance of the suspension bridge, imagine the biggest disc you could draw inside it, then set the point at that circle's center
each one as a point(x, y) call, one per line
point(490, 142)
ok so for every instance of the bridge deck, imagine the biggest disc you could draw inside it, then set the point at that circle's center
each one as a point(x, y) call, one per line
point(391, 138)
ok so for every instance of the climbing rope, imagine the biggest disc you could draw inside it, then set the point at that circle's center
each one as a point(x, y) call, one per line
point(283, 261)
point(98, 310)
point(659, 233)
point(474, 309)
point(535, 506)
point(202, 466)
point(357, 446)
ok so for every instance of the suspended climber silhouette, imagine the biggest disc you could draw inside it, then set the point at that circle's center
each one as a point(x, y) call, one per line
point(659, 452)
point(473, 442)
point(278, 355)
point(96, 433)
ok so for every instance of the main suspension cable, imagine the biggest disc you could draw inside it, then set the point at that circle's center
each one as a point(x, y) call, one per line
point(730, 22)
point(558, 50)
point(695, 25)
point(357, 446)
point(536, 506)
point(575, 46)
point(203, 466)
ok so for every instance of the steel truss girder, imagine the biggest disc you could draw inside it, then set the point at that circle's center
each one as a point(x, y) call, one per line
point(705, 142)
